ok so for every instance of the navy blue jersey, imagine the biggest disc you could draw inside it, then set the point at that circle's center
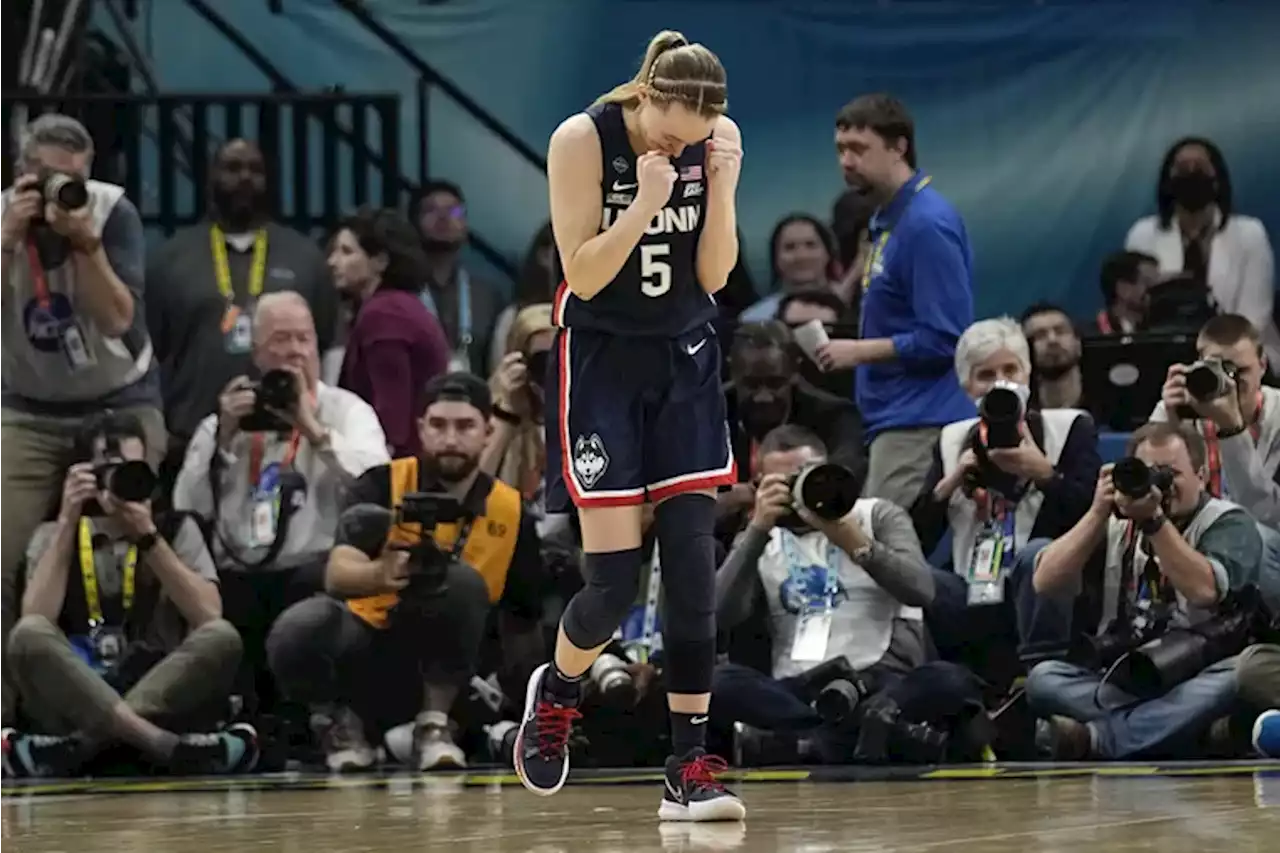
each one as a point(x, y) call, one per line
point(657, 291)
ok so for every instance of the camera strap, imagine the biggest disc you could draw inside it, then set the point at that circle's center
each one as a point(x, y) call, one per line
point(89, 575)
point(876, 255)
point(1213, 451)
point(281, 506)
point(1148, 586)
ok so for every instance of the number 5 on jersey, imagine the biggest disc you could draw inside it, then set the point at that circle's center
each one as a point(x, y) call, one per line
point(655, 273)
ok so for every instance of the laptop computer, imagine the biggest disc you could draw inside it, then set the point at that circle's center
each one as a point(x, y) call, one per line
point(1123, 374)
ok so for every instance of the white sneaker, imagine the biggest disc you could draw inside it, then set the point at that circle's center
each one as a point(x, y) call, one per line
point(426, 744)
point(346, 750)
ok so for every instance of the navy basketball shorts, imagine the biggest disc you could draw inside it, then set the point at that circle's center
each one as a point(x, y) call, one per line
point(633, 419)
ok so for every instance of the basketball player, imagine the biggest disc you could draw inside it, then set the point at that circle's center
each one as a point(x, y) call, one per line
point(642, 206)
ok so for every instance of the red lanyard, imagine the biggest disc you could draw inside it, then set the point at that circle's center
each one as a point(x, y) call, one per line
point(1213, 455)
point(39, 283)
point(258, 448)
point(1104, 323)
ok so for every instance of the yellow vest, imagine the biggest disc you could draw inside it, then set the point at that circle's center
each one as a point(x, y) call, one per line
point(488, 550)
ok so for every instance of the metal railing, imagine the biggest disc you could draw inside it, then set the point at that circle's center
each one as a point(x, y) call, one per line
point(325, 153)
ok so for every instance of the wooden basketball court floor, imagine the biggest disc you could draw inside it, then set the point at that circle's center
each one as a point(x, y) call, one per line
point(1020, 808)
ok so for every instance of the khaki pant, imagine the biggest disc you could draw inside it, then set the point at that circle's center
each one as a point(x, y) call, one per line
point(1258, 674)
point(898, 463)
point(36, 451)
point(62, 694)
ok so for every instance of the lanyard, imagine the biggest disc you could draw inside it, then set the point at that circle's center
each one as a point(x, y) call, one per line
point(93, 603)
point(876, 254)
point(222, 268)
point(39, 284)
point(1104, 323)
point(465, 337)
point(258, 449)
point(791, 549)
point(1213, 453)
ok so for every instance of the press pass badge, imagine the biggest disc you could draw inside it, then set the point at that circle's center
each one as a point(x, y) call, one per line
point(262, 523)
point(986, 586)
point(237, 330)
point(74, 348)
point(813, 630)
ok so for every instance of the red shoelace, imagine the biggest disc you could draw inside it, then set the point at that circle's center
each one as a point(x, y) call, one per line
point(701, 772)
point(553, 724)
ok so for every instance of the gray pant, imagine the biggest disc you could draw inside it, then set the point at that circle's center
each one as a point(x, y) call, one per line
point(36, 453)
point(62, 694)
point(898, 463)
point(1258, 671)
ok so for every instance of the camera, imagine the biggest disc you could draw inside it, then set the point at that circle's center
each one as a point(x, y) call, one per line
point(131, 482)
point(825, 489)
point(277, 390)
point(1175, 655)
point(616, 686)
point(1135, 479)
point(428, 509)
point(1207, 380)
point(67, 191)
point(838, 700)
point(1001, 410)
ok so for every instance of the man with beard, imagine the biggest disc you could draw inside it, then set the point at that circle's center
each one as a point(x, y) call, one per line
point(426, 547)
point(766, 391)
point(203, 285)
point(917, 300)
point(467, 306)
point(1055, 357)
point(271, 488)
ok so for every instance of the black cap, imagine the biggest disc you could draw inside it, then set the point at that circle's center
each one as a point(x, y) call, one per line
point(461, 387)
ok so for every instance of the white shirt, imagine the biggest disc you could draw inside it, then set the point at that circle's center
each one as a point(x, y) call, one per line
point(356, 444)
point(1241, 268)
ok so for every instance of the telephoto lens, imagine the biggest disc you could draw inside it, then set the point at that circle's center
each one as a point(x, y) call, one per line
point(131, 482)
point(611, 679)
point(68, 192)
point(827, 490)
point(1134, 479)
point(1002, 410)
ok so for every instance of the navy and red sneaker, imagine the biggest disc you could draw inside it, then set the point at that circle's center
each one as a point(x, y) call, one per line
point(541, 749)
point(693, 794)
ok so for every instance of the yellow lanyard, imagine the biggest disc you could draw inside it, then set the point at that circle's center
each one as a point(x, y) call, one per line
point(90, 574)
point(222, 268)
point(876, 255)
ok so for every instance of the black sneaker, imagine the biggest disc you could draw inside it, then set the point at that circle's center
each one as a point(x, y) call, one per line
point(693, 794)
point(43, 756)
point(541, 749)
point(232, 750)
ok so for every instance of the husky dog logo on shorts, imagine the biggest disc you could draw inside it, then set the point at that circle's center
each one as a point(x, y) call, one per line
point(589, 459)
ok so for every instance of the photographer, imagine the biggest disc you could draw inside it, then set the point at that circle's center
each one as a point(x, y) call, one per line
point(74, 337)
point(1223, 398)
point(122, 638)
point(425, 547)
point(1173, 553)
point(998, 481)
point(843, 581)
point(268, 472)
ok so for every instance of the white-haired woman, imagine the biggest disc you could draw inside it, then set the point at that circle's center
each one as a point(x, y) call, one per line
point(998, 483)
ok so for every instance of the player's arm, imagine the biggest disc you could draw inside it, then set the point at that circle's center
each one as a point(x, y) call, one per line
point(590, 259)
point(718, 245)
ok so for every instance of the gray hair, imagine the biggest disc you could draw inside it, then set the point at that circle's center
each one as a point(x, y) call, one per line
point(270, 303)
point(984, 339)
point(57, 130)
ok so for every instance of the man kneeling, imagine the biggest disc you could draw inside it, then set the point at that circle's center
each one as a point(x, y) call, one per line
point(1173, 555)
point(122, 638)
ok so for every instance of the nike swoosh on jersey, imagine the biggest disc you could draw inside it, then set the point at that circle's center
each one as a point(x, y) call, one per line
point(620, 187)
point(693, 348)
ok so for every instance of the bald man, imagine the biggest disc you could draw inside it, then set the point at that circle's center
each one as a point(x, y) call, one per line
point(204, 283)
point(241, 481)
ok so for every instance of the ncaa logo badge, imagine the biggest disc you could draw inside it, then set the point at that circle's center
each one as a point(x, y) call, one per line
point(620, 165)
point(590, 460)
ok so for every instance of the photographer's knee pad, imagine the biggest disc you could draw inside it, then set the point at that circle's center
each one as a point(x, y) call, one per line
point(613, 579)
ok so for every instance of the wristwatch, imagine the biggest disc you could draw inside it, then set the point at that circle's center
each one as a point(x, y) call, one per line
point(861, 555)
point(146, 543)
point(506, 415)
point(1152, 525)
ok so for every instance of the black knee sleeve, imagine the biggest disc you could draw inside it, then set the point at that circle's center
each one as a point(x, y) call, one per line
point(686, 542)
point(613, 579)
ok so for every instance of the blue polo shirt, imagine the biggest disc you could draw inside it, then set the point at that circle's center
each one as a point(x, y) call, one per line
point(918, 292)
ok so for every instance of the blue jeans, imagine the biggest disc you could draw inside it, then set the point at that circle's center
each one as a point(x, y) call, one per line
point(1122, 725)
point(1041, 622)
point(740, 694)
